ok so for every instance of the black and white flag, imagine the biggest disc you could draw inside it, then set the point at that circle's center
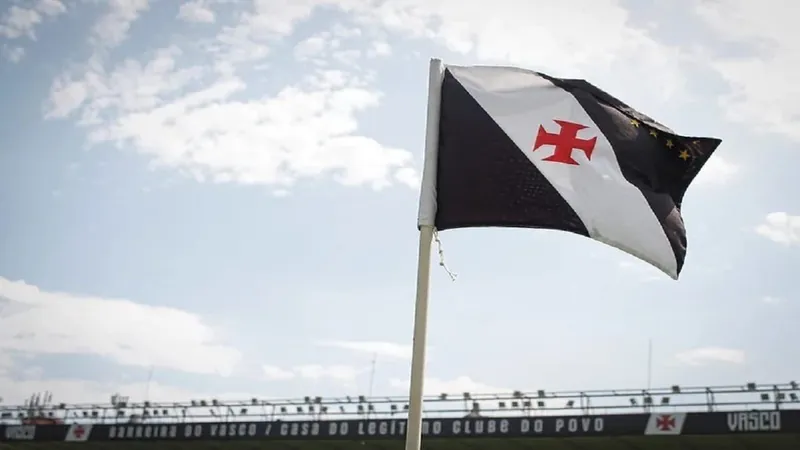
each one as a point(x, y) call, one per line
point(518, 148)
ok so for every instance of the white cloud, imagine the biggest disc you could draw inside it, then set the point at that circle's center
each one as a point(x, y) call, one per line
point(379, 48)
point(6, 361)
point(328, 47)
point(112, 28)
point(131, 87)
point(717, 171)
point(314, 372)
point(458, 385)
point(258, 28)
point(706, 355)
point(13, 54)
point(188, 118)
point(781, 227)
point(314, 46)
point(337, 372)
point(19, 22)
point(770, 300)
point(306, 130)
point(764, 91)
point(385, 349)
point(535, 34)
point(196, 11)
point(408, 176)
point(276, 373)
point(39, 322)
point(51, 8)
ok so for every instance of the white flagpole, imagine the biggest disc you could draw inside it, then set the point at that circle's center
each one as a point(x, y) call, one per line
point(427, 215)
point(414, 428)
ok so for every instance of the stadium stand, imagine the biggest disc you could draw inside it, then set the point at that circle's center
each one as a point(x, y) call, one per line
point(750, 416)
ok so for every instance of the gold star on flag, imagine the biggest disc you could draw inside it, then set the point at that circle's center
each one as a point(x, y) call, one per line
point(670, 144)
point(635, 123)
point(684, 155)
point(653, 133)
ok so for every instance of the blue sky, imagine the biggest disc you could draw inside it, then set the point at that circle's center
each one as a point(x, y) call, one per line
point(218, 199)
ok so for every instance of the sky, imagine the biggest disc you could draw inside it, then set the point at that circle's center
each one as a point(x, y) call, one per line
point(218, 199)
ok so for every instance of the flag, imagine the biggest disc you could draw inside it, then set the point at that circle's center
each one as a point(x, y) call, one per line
point(78, 432)
point(518, 148)
point(671, 423)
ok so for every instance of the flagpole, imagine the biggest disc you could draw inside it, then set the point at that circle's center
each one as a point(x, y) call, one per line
point(414, 428)
point(427, 214)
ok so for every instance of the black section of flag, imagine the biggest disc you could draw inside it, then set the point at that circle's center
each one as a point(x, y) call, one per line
point(483, 179)
point(651, 157)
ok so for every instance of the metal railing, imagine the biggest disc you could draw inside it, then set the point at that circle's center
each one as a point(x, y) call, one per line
point(750, 396)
